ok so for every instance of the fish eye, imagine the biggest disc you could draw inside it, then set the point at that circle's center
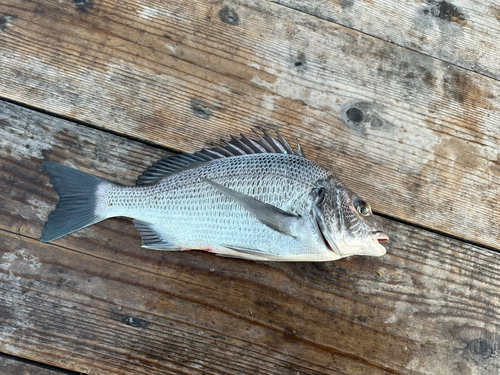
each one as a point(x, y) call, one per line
point(362, 207)
point(320, 198)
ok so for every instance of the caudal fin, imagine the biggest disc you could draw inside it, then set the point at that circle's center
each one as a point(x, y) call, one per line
point(77, 203)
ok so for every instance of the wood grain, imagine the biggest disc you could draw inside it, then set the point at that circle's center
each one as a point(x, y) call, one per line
point(96, 302)
point(462, 32)
point(415, 136)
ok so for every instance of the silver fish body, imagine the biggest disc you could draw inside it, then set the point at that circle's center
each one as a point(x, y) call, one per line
point(266, 205)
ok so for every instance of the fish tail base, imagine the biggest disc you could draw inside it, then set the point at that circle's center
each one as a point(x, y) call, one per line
point(77, 204)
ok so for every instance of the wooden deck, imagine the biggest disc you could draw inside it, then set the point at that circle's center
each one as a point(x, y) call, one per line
point(400, 99)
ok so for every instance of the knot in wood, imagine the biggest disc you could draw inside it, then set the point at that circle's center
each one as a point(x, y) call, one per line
point(229, 16)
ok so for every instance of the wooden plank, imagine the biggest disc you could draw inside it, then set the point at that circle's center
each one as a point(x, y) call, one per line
point(461, 32)
point(415, 136)
point(15, 366)
point(97, 303)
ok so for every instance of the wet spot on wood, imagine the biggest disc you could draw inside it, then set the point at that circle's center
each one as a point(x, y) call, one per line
point(229, 16)
point(362, 116)
point(6, 21)
point(130, 320)
point(83, 6)
point(448, 12)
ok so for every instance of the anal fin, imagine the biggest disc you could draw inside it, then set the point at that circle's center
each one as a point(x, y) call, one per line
point(151, 239)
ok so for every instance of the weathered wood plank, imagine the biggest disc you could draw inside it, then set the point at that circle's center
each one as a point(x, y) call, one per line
point(95, 302)
point(461, 32)
point(419, 135)
point(14, 366)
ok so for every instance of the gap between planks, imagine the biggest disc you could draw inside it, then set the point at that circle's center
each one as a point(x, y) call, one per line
point(13, 365)
point(89, 125)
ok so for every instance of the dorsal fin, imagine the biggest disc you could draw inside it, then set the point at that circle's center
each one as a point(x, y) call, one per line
point(234, 147)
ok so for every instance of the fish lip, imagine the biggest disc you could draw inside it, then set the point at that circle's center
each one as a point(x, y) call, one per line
point(380, 236)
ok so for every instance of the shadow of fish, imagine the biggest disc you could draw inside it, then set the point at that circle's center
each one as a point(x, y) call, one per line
point(252, 199)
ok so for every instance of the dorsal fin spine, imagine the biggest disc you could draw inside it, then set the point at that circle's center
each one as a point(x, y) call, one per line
point(284, 143)
point(264, 143)
point(241, 145)
point(209, 153)
point(258, 149)
point(226, 153)
point(278, 148)
point(234, 149)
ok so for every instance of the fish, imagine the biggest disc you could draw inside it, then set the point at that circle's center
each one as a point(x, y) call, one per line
point(257, 199)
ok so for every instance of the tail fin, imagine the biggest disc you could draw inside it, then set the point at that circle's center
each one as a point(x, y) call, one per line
point(77, 203)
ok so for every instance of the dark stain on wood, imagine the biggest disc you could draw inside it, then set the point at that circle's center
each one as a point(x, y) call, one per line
point(428, 78)
point(228, 15)
point(300, 63)
point(5, 310)
point(130, 320)
point(38, 9)
point(459, 85)
point(346, 4)
point(201, 109)
point(448, 12)
point(6, 21)
point(83, 6)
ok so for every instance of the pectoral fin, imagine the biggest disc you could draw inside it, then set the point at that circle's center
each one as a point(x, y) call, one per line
point(274, 217)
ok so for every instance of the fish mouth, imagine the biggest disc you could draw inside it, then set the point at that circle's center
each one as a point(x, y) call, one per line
point(380, 236)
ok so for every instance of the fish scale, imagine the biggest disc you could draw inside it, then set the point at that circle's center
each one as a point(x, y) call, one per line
point(258, 200)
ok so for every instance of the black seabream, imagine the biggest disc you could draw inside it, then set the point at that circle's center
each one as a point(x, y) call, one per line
point(253, 199)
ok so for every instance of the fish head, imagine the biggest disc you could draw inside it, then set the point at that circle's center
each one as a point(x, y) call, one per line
point(345, 222)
